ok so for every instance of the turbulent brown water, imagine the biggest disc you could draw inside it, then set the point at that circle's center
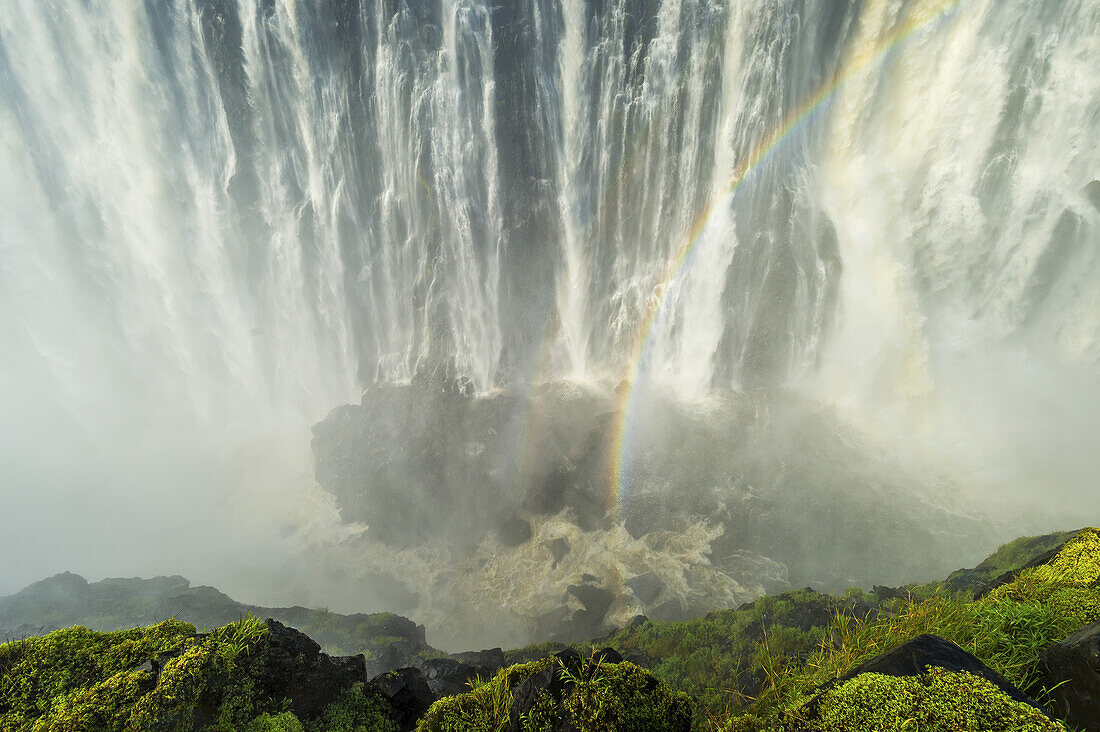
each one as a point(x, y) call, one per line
point(223, 218)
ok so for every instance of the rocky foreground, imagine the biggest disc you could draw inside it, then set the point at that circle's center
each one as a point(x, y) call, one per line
point(1012, 644)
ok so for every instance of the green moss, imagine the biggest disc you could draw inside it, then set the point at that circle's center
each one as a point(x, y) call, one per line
point(622, 696)
point(78, 674)
point(938, 701)
point(76, 680)
point(609, 696)
point(486, 707)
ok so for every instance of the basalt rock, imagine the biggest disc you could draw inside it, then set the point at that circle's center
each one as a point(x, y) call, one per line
point(420, 464)
point(394, 656)
point(559, 548)
point(408, 693)
point(449, 676)
point(291, 666)
point(646, 587)
point(914, 657)
point(1071, 668)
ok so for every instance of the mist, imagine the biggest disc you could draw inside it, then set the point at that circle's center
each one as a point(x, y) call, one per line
point(378, 305)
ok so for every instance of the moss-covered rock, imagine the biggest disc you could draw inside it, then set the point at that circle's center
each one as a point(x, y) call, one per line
point(937, 701)
point(245, 675)
point(564, 692)
point(1009, 557)
point(1007, 629)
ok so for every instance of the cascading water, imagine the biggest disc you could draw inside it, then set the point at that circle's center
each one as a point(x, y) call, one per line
point(222, 218)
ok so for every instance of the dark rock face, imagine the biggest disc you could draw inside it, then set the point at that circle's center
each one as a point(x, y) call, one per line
point(426, 465)
point(1072, 668)
point(559, 548)
point(421, 464)
point(646, 587)
point(291, 666)
point(913, 658)
point(1092, 193)
point(448, 676)
point(514, 531)
point(452, 675)
point(607, 655)
point(408, 693)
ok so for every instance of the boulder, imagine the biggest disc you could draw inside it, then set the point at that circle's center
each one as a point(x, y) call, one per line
point(914, 657)
point(597, 601)
point(559, 548)
point(408, 693)
point(646, 587)
point(607, 655)
point(552, 682)
point(290, 665)
point(514, 531)
point(1092, 193)
point(926, 678)
point(449, 676)
point(1071, 668)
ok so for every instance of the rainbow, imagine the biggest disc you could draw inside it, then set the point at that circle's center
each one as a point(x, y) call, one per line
point(934, 12)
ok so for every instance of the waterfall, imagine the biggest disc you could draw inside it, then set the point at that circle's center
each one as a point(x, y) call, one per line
point(219, 214)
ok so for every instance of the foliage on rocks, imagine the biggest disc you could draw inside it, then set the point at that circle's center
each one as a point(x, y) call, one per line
point(1007, 629)
point(164, 677)
point(765, 666)
point(937, 701)
point(587, 696)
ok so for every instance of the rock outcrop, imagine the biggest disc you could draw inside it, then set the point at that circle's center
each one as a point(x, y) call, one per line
point(1071, 669)
point(408, 693)
point(915, 657)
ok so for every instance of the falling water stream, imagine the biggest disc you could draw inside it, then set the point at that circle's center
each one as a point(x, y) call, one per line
point(222, 218)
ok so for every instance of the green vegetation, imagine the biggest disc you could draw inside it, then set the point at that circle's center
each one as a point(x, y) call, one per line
point(718, 658)
point(764, 666)
point(1006, 629)
point(77, 679)
point(60, 675)
point(1008, 557)
point(764, 659)
point(592, 695)
point(486, 707)
point(938, 701)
